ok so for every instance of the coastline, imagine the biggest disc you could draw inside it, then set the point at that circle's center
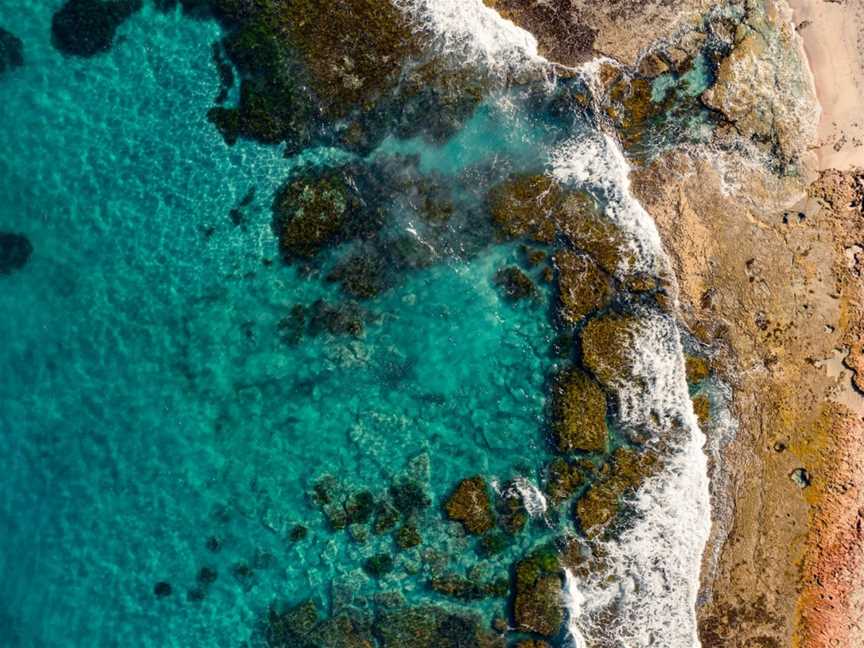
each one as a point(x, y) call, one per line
point(831, 37)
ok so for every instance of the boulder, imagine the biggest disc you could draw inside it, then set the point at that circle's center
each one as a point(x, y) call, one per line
point(470, 505)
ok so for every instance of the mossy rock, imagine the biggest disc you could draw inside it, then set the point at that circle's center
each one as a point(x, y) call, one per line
point(469, 504)
point(407, 537)
point(431, 626)
point(301, 627)
point(702, 409)
point(608, 345)
point(591, 233)
point(378, 565)
point(492, 544)
point(511, 510)
point(514, 284)
point(312, 212)
point(467, 589)
point(537, 587)
point(578, 413)
point(563, 479)
point(697, 368)
point(628, 469)
point(582, 287)
point(527, 206)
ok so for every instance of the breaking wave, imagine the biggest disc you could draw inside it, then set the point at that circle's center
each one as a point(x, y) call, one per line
point(645, 591)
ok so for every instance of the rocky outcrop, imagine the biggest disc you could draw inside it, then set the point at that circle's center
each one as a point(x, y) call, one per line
point(470, 505)
point(578, 414)
point(15, 252)
point(86, 28)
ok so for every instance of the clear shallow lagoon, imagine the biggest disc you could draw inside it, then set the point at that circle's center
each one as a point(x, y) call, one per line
point(147, 402)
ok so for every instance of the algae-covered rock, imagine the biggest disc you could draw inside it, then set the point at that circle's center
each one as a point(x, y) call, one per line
point(378, 565)
point(527, 206)
point(511, 509)
point(407, 537)
point(537, 587)
point(470, 505)
point(492, 544)
point(608, 345)
point(702, 409)
point(578, 413)
point(514, 284)
point(431, 626)
point(301, 627)
point(86, 27)
point(409, 497)
point(468, 589)
point(563, 479)
point(11, 51)
point(697, 368)
point(591, 233)
point(582, 287)
point(315, 210)
point(600, 503)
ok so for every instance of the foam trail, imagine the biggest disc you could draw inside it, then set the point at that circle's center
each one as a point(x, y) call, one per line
point(573, 601)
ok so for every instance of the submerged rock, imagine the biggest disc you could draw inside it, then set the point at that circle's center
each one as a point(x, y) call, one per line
point(431, 626)
point(468, 589)
point(514, 284)
point(86, 27)
point(470, 505)
point(378, 565)
point(697, 369)
point(537, 595)
point(563, 479)
point(11, 51)
point(582, 287)
point(578, 413)
point(301, 627)
point(15, 252)
point(314, 211)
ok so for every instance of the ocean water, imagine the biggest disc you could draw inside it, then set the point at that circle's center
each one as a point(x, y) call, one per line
point(148, 400)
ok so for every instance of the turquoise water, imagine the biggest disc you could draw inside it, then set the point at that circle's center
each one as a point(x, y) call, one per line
point(147, 400)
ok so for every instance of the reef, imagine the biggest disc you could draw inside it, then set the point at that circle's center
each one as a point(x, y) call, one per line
point(563, 479)
point(607, 344)
point(11, 51)
point(86, 28)
point(15, 252)
point(624, 473)
point(537, 585)
point(578, 413)
point(469, 504)
point(514, 284)
point(582, 287)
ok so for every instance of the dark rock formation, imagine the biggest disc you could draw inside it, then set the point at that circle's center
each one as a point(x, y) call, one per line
point(582, 287)
point(15, 252)
point(514, 284)
point(537, 588)
point(578, 413)
point(470, 505)
point(86, 27)
point(11, 51)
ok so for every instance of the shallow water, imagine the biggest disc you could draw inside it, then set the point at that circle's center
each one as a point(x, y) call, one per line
point(148, 400)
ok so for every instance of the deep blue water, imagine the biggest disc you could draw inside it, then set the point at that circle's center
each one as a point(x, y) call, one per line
point(147, 402)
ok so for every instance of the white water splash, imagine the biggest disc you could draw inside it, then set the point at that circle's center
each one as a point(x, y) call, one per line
point(650, 580)
point(532, 497)
point(474, 32)
point(596, 162)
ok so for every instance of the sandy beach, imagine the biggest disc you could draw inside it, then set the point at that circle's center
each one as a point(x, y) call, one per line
point(834, 44)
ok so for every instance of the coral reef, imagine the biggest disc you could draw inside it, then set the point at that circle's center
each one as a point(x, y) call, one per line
point(514, 284)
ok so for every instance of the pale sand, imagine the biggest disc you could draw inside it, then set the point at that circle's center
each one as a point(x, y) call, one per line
point(833, 35)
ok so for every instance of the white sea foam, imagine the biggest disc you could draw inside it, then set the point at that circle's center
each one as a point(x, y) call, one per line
point(471, 30)
point(645, 595)
point(532, 497)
